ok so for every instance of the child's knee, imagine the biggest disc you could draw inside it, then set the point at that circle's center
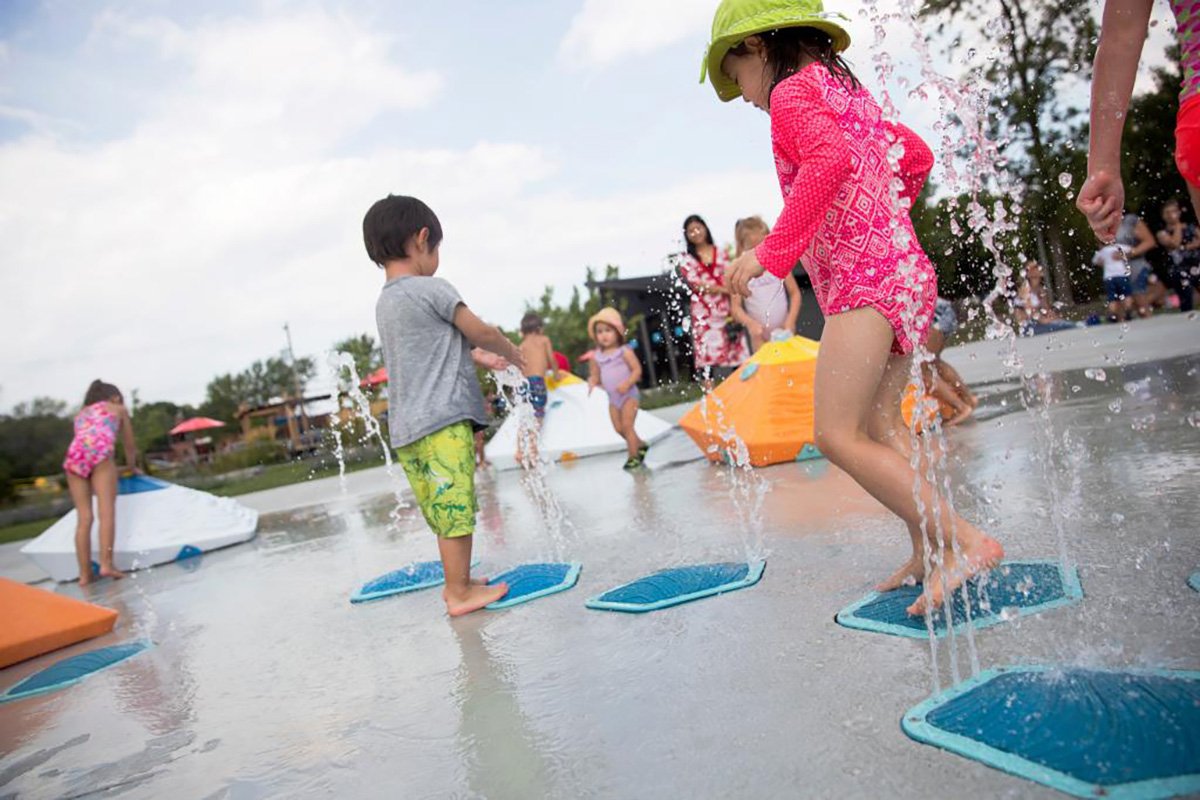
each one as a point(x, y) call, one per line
point(84, 522)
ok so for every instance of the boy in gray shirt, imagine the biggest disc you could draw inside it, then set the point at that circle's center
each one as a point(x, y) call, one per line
point(434, 400)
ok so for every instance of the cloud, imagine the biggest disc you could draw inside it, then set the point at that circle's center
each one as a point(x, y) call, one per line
point(604, 31)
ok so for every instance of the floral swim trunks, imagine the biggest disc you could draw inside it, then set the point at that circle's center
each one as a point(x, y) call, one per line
point(441, 471)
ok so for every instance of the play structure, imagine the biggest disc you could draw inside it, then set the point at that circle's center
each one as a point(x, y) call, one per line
point(767, 404)
point(157, 522)
point(576, 425)
point(37, 621)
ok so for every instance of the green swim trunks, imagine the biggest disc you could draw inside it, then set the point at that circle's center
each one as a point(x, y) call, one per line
point(441, 471)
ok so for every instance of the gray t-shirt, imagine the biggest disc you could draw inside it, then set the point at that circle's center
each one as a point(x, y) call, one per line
point(431, 377)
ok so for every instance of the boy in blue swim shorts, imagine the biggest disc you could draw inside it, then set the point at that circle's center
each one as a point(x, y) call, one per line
point(434, 400)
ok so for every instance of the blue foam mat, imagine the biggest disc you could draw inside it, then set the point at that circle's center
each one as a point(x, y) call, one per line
point(1011, 590)
point(72, 670)
point(670, 587)
point(136, 484)
point(1194, 580)
point(1125, 735)
point(530, 581)
point(409, 578)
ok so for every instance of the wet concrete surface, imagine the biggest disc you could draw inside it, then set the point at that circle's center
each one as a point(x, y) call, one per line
point(266, 682)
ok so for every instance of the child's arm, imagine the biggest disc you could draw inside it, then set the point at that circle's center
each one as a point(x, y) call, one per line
point(794, 301)
point(485, 336)
point(635, 368)
point(1122, 33)
point(488, 360)
point(593, 373)
point(552, 361)
point(916, 163)
point(131, 453)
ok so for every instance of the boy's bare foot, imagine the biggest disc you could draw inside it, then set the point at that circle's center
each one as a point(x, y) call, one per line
point(479, 581)
point(112, 572)
point(475, 598)
point(84, 581)
point(983, 554)
point(912, 572)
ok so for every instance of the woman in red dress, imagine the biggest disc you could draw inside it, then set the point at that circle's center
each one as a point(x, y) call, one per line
point(703, 268)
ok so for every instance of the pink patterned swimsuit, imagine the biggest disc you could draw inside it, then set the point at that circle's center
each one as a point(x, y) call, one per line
point(95, 439)
point(831, 153)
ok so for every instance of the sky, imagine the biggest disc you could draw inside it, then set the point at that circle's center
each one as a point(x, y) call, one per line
point(180, 180)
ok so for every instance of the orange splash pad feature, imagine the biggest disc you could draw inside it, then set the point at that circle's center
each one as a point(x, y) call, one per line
point(930, 406)
point(37, 622)
point(767, 403)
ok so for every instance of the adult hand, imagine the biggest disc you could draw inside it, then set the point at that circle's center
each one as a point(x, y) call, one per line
point(743, 269)
point(1102, 201)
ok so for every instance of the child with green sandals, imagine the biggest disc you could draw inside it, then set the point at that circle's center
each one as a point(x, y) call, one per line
point(434, 400)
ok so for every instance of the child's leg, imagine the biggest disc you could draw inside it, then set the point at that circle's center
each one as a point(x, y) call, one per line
point(81, 494)
point(104, 484)
point(628, 415)
point(850, 369)
point(462, 595)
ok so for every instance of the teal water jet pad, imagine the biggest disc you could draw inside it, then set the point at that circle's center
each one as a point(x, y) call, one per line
point(1013, 589)
point(1194, 580)
point(74, 669)
point(1124, 735)
point(531, 581)
point(671, 587)
point(409, 578)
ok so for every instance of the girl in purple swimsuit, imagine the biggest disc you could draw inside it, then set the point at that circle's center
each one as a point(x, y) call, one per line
point(617, 370)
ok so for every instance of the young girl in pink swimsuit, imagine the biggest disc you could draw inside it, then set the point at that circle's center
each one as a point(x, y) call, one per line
point(91, 470)
point(837, 159)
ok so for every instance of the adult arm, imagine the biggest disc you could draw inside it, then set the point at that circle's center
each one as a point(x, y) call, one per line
point(487, 337)
point(1122, 33)
point(635, 369)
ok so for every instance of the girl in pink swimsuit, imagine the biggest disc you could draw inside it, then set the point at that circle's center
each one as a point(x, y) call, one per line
point(838, 160)
point(91, 470)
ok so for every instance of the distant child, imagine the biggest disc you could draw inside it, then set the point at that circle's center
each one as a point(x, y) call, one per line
point(873, 281)
point(1112, 260)
point(773, 305)
point(91, 470)
point(539, 359)
point(434, 399)
point(615, 368)
point(1182, 243)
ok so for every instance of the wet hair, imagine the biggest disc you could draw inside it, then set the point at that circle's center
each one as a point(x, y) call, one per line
point(787, 48)
point(100, 392)
point(691, 248)
point(392, 222)
point(745, 226)
point(531, 323)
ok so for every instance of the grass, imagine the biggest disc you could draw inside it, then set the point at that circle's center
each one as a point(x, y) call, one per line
point(670, 394)
point(24, 530)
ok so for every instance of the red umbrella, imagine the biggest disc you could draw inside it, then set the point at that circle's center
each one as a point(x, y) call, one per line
point(375, 378)
point(196, 424)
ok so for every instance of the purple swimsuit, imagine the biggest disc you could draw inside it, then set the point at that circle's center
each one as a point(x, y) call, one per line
point(613, 372)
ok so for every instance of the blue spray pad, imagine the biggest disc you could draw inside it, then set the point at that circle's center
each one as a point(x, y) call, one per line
point(69, 671)
point(1011, 590)
point(410, 578)
point(136, 484)
point(531, 581)
point(1129, 735)
point(670, 587)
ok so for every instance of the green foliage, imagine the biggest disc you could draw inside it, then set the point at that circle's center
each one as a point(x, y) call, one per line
point(367, 355)
point(34, 444)
point(260, 452)
point(40, 407)
point(1147, 166)
point(257, 385)
point(152, 423)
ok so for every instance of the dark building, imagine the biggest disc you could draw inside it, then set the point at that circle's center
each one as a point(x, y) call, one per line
point(657, 306)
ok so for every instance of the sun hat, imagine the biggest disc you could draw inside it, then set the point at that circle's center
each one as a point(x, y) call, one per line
point(735, 20)
point(609, 316)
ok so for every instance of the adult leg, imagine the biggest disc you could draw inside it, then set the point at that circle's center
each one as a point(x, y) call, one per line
point(104, 484)
point(81, 493)
point(850, 369)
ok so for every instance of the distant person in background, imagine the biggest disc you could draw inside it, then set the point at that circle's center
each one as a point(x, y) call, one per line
point(539, 360)
point(941, 379)
point(91, 469)
point(1032, 309)
point(714, 346)
point(616, 369)
point(773, 305)
point(1111, 259)
point(1182, 244)
point(1137, 240)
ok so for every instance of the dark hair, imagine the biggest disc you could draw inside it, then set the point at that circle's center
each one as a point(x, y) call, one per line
point(1173, 201)
point(691, 248)
point(99, 392)
point(391, 222)
point(788, 47)
point(531, 323)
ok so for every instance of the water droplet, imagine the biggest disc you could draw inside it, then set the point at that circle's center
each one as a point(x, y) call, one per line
point(1115, 406)
point(1193, 419)
point(1096, 374)
point(1064, 179)
point(1117, 518)
point(1008, 613)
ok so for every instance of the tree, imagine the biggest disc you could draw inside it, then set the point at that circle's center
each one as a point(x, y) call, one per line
point(567, 325)
point(34, 444)
point(40, 407)
point(259, 384)
point(1044, 44)
point(367, 355)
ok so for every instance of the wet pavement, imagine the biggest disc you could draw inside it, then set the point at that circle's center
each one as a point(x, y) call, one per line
point(266, 682)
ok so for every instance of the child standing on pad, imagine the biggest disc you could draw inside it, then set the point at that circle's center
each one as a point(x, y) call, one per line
point(834, 155)
point(615, 368)
point(434, 400)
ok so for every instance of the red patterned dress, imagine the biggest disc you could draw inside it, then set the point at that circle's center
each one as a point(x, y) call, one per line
point(711, 344)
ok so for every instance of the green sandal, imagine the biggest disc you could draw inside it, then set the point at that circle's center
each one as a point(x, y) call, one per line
point(632, 463)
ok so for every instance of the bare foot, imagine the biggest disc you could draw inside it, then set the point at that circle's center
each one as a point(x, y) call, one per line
point(911, 573)
point(982, 555)
point(112, 572)
point(475, 598)
point(479, 581)
point(84, 581)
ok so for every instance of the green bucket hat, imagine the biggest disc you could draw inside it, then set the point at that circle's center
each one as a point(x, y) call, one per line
point(736, 20)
